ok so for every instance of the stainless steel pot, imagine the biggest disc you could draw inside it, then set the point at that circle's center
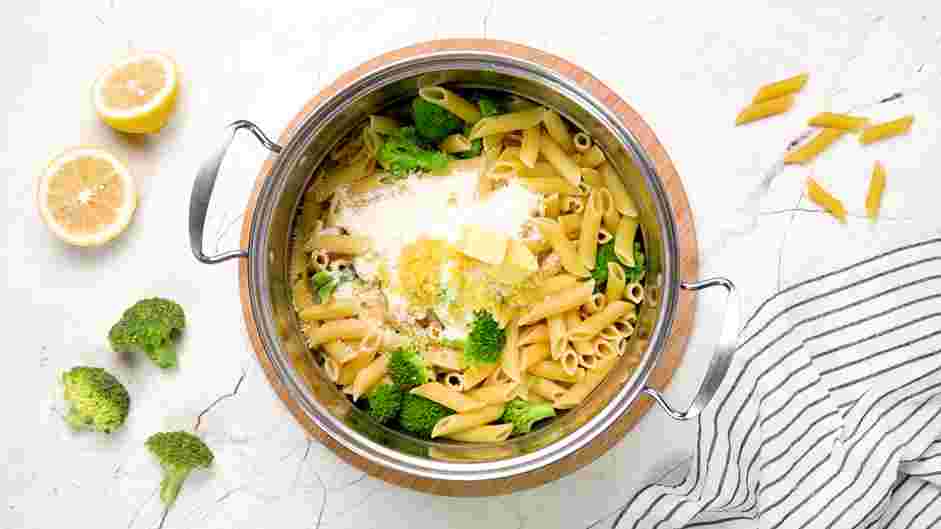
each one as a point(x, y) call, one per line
point(307, 391)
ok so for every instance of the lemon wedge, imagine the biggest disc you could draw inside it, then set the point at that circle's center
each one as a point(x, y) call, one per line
point(86, 196)
point(137, 95)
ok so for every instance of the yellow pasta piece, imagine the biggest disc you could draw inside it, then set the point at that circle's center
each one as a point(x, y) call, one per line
point(619, 195)
point(534, 353)
point(765, 109)
point(465, 421)
point(547, 186)
point(529, 151)
point(454, 103)
point(886, 130)
point(552, 232)
point(554, 370)
point(447, 397)
point(490, 433)
point(876, 187)
point(477, 373)
point(560, 160)
point(780, 88)
point(339, 308)
point(824, 199)
point(815, 146)
point(838, 121)
point(519, 263)
point(495, 394)
point(558, 131)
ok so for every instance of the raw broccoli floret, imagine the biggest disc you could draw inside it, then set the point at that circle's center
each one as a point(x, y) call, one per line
point(485, 341)
point(384, 402)
point(97, 400)
point(407, 368)
point(404, 153)
point(432, 121)
point(606, 255)
point(419, 415)
point(152, 326)
point(178, 454)
point(522, 414)
point(636, 272)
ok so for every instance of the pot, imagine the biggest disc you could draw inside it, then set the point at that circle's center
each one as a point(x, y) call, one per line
point(576, 437)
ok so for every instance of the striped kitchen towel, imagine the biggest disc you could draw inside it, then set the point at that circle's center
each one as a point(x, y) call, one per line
point(830, 415)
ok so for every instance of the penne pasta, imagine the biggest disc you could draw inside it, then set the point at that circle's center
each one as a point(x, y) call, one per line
point(340, 351)
point(604, 236)
point(368, 377)
point(447, 397)
point(455, 143)
point(571, 224)
point(624, 240)
point(554, 370)
point(529, 152)
point(623, 202)
point(454, 381)
point(543, 169)
point(569, 360)
point(492, 146)
point(592, 158)
point(552, 232)
point(372, 141)
point(604, 348)
point(588, 361)
point(349, 370)
point(581, 141)
point(303, 297)
point(885, 130)
point(614, 288)
point(465, 421)
point(765, 109)
point(634, 292)
point(561, 161)
point(547, 186)
point(559, 303)
point(451, 102)
point(591, 224)
point(830, 120)
point(577, 393)
point(503, 123)
point(534, 353)
point(876, 188)
point(444, 358)
point(815, 146)
point(372, 342)
point(610, 333)
point(336, 309)
point(778, 89)
point(477, 373)
point(557, 335)
point(593, 325)
point(345, 329)
point(383, 125)
point(331, 180)
point(546, 388)
point(510, 360)
point(573, 205)
point(558, 131)
point(824, 199)
point(538, 333)
point(555, 284)
point(595, 303)
point(551, 206)
point(592, 177)
point(494, 394)
point(536, 246)
point(490, 433)
point(340, 244)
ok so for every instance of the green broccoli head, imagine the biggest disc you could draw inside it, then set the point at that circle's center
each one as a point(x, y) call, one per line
point(97, 400)
point(485, 341)
point(432, 121)
point(384, 402)
point(152, 326)
point(419, 415)
point(178, 453)
point(404, 152)
point(606, 255)
point(407, 368)
point(522, 414)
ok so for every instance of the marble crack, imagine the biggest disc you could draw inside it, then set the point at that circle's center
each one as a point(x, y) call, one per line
point(822, 212)
point(221, 398)
point(784, 238)
point(487, 16)
point(323, 502)
point(140, 508)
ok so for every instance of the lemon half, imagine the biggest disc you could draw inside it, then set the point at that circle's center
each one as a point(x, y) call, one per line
point(137, 95)
point(86, 196)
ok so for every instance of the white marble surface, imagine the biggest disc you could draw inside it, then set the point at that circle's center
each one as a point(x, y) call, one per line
point(686, 67)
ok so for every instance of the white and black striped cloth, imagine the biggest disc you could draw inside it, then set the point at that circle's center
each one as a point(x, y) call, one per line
point(830, 415)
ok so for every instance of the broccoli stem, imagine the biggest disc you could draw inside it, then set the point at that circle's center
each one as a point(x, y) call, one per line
point(164, 355)
point(171, 484)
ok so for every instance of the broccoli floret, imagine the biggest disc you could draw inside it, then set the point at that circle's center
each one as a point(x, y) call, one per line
point(97, 400)
point(153, 326)
point(522, 414)
point(485, 341)
point(432, 121)
point(488, 107)
point(384, 402)
point(407, 368)
point(636, 272)
point(403, 153)
point(606, 255)
point(178, 454)
point(419, 415)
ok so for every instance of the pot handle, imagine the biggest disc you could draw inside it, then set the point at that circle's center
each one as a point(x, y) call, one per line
point(721, 358)
point(202, 191)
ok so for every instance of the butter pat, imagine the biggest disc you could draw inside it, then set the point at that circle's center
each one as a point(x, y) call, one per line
point(483, 245)
point(519, 263)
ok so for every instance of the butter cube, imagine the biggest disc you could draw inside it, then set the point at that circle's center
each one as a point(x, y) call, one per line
point(484, 245)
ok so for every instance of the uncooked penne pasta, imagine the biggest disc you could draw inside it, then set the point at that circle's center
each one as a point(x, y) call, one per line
point(336, 309)
point(593, 325)
point(452, 102)
point(342, 244)
point(557, 335)
point(876, 188)
point(529, 152)
point(622, 201)
point(824, 199)
point(553, 370)
point(780, 88)
point(489, 433)
point(340, 351)
point(547, 186)
point(559, 302)
point(561, 161)
point(456, 143)
point(591, 224)
point(345, 329)
point(447, 397)
point(772, 107)
point(503, 123)
point(465, 421)
point(534, 353)
point(551, 206)
point(577, 393)
point(510, 360)
point(634, 292)
point(624, 240)
point(558, 131)
point(595, 303)
point(614, 289)
point(581, 141)
point(815, 146)
point(830, 120)
point(885, 130)
point(493, 394)
point(552, 232)
point(477, 373)
point(546, 388)
point(369, 376)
